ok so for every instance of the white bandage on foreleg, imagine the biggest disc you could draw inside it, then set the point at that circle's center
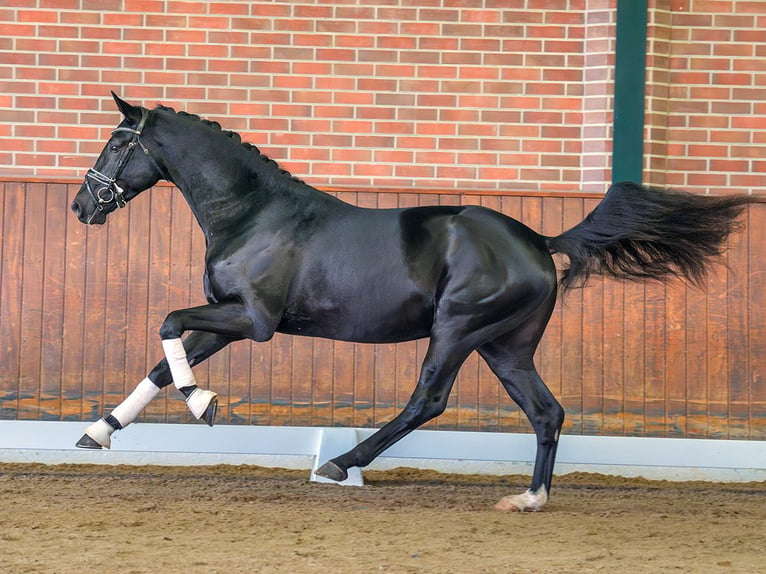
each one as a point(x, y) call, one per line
point(178, 363)
point(101, 432)
point(127, 411)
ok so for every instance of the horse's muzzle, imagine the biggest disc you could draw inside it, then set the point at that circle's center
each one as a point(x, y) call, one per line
point(96, 217)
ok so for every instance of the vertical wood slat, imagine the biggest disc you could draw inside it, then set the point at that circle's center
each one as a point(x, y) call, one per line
point(56, 210)
point(755, 345)
point(81, 308)
point(11, 285)
point(33, 249)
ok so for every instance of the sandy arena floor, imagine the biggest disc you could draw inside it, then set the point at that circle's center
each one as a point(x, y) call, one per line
point(80, 519)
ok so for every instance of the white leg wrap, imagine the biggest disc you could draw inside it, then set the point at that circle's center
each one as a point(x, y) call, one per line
point(127, 411)
point(101, 431)
point(199, 400)
point(178, 363)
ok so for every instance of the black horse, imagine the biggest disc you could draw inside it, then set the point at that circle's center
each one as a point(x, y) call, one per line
point(283, 256)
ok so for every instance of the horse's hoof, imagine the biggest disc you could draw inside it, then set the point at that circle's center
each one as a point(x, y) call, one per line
point(87, 442)
point(203, 404)
point(97, 435)
point(332, 471)
point(530, 501)
point(209, 415)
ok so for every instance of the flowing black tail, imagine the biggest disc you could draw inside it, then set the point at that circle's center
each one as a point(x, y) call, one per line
point(643, 233)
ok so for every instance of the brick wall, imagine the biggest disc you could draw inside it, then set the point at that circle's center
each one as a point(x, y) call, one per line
point(508, 94)
point(395, 93)
point(706, 120)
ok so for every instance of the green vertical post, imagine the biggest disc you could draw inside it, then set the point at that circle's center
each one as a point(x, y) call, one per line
point(629, 89)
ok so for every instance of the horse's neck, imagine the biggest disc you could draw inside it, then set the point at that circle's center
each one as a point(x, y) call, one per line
point(225, 207)
point(226, 184)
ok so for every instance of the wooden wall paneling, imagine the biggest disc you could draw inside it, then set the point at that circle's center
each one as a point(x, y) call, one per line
point(11, 276)
point(33, 254)
point(94, 311)
point(756, 343)
point(655, 359)
point(716, 353)
point(738, 303)
point(676, 362)
point(81, 307)
point(343, 376)
point(614, 355)
point(57, 211)
point(261, 382)
point(572, 336)
point(696, 351)
point(140, 348)
point(592, 342)
point(74, 335)
point(323, 383)
point(238, 409)
point(115, 334)
point(281, 379)
point(627, 361)
point(390, 367)
point(302, 380)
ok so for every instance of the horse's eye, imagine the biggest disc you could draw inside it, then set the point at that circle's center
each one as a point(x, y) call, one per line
point(114, 148)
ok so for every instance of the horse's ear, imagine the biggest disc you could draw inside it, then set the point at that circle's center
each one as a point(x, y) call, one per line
point(131, 113)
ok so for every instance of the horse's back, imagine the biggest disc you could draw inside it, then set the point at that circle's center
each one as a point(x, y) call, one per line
point(373, 275)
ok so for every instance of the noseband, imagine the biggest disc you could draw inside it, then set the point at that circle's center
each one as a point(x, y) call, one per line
point(107, 191)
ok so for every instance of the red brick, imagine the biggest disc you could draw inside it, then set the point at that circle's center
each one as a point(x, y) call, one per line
point(376, 141)
point(231, 8)
point(452, 172)
point(36, 16)
point(209, 22)
point(317, 97)
point(269, 67)
point(394, 156)
point(350, 97)
point(415, 171)
point(293, 82)
point(377, 113)
point(123, 19)
point(396, 42)
point(60, 4)
point(375, 170)
point(228, 39)
point(352, 41)
point(498, 173)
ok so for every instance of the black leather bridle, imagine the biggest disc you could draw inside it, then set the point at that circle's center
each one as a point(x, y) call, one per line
point(107, 191)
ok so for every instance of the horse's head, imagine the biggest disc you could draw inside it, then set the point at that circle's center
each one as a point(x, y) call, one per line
point(118, 174)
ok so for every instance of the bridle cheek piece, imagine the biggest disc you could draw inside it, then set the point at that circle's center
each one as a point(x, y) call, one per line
point(107, 191)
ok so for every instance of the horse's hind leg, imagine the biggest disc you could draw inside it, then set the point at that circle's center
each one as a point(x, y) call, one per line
point(516, 371)
point(199, 345)
point(428, 401)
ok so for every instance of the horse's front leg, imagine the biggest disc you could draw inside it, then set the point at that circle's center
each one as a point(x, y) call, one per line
point(199, 346)
point(231, 320)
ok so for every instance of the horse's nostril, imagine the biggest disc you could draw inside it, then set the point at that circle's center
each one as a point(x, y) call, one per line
point(76, 208)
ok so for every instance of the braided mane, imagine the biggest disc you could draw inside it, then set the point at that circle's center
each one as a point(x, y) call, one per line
point(235, 137)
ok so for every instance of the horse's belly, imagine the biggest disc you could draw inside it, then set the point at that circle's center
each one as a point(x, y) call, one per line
point(367, 321)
